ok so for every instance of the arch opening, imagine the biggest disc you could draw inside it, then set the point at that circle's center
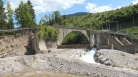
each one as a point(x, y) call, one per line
point(75, 37)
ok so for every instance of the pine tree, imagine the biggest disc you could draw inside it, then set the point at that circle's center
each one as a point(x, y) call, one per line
point(23, 16)
point(32, 11)
point(18, 16)
point(2, 16)
point(10, 24)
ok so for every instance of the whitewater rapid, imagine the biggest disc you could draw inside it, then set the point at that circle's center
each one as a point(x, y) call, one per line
point(89, 56)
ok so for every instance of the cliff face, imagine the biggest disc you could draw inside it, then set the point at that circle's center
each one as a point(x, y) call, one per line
point(18, 44)
point(23, 43)
point(13, 45)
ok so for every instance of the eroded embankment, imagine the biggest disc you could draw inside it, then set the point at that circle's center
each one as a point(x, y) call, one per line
point(18, 44)
point(13, 45)
point(57, 63)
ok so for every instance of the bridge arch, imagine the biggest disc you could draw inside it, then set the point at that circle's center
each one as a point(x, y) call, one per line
point(78, 38)
point(63, 32)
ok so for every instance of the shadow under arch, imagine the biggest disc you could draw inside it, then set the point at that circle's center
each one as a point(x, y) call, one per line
point(75, 37)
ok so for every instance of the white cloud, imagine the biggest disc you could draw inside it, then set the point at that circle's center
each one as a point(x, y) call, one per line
point(93, 8)
point(135, 2)
point(42, 6)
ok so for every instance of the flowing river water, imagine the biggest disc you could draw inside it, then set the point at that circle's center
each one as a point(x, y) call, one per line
point(89, 57)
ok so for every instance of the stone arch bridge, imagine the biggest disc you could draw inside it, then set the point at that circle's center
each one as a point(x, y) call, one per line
point(63, 32)
point(102, 39)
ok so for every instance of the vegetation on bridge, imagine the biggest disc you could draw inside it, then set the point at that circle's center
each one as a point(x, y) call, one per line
point(48, 33)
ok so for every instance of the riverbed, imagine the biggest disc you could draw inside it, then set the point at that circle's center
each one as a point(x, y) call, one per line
point(60, 63)
point(44, 74)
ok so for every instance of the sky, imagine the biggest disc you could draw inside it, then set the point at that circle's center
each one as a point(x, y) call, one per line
point(65, 7)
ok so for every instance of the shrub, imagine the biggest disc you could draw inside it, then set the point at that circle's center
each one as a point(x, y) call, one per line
point(48, 33)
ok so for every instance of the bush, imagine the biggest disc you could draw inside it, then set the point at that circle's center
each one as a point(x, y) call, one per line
point(48, 33)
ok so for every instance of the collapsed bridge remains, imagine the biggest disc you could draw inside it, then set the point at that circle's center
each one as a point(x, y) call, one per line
point(99, 39)
point(26, 41)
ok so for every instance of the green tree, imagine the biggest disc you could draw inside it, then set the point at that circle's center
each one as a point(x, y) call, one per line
point(58, 17)
point(41, 32)
point(50, 20)
point(2, 16)
point(18, 14)
point(64, 17)
point(44, 20)
point(23, 15)
point(10, 24)
point(48, 33)
point(32, 11)
point(53, 18)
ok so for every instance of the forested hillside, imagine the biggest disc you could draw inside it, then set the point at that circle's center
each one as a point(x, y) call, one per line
point(78, 14)
point(115, 19)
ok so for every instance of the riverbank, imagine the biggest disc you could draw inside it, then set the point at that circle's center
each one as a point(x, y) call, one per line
point(117, 58)
point(59, 62)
